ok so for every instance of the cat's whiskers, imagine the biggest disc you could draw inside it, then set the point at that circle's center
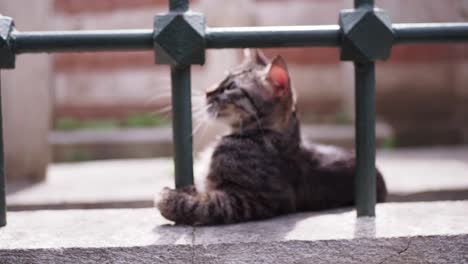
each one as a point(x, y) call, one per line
point(165, 110)
point(199, 108)
point(201, 111)
point(162, 96)
point(203, 129)
point(198, 102)
point(195, 107)
point(200, 124)
point(200, 118)
point(198, 96)
point(166, 94)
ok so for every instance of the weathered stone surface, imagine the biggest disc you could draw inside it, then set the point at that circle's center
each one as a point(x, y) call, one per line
point(393, 220)
point(433, 232)
point(118, 183)
point(401, 233)
point(93, 236)
point(445, 249)
point(145, 255)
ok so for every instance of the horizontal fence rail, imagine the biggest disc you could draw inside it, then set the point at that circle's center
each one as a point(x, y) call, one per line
point(227, 37)
point(96, 40)
point(264, 37)
point(180, 38)
point(430, 33)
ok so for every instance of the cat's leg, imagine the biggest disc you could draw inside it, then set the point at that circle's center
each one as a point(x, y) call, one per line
point(191, 189)
point(213, 207)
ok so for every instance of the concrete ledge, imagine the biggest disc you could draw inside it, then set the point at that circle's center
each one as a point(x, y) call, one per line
point(425, 174)
point(411, 175)
point(104, 184)
point(434, 232)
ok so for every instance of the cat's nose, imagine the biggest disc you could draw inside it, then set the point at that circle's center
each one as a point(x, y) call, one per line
point(211, 90)
point(210, 94)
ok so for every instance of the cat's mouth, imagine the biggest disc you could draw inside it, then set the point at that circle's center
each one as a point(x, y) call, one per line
point(216, 111)
point(225, 113)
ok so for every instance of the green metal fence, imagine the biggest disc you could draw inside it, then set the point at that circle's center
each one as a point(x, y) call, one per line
point(180, 38)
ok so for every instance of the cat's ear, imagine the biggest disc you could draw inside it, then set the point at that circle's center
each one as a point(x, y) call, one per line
point(278, 76)
point(255, 56)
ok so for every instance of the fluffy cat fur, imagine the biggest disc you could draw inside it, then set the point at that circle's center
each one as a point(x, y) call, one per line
point(262, 168)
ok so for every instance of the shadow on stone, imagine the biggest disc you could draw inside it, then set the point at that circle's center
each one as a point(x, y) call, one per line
point(282, 228)
point(17, 186)
point(442, 195)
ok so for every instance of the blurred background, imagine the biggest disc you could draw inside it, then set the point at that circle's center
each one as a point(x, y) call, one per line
point(110, 105)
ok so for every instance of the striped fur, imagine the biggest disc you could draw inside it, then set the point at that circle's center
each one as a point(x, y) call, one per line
point(263, 168)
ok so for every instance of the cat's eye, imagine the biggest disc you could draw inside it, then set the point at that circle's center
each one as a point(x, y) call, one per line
point(230, 86)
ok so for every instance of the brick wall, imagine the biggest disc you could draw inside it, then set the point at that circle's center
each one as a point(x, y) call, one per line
point(93, 85)
point(26, 99)
point(420, 89)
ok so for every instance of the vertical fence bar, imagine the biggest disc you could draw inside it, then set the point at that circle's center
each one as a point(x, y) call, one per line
point(2, 168)
point(178, 5)
point(178, 40)
point(182, 114)
point(365, 186)
point(182, 125)
point(358, 3)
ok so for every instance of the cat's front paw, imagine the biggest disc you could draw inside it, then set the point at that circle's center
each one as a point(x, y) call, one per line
point(167, 203)
point(191, 190)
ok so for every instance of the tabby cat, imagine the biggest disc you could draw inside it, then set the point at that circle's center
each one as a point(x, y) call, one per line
point(262, 168)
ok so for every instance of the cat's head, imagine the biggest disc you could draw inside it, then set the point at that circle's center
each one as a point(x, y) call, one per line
point(258, 92)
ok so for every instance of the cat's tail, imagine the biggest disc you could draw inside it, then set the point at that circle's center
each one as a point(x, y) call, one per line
point(208, 208)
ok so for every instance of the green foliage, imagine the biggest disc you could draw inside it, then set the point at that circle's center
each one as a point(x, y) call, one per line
point(389, 143)
point(132, 121)
point(79, 155)
point(146, 120)
point(69, 124)
point(342, 118)
point(66, 124)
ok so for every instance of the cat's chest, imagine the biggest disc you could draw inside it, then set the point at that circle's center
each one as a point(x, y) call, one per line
point(243, 156)
point(202, 168)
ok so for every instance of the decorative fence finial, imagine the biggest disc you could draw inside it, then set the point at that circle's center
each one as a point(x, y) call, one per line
point(367, 34)
point(179, 38)
point(7, 55)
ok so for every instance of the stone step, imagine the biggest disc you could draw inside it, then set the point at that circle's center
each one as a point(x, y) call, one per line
point(426, 232)
point(157, 142)
point(83, 145)
point(98, 184)
point(426, 174)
